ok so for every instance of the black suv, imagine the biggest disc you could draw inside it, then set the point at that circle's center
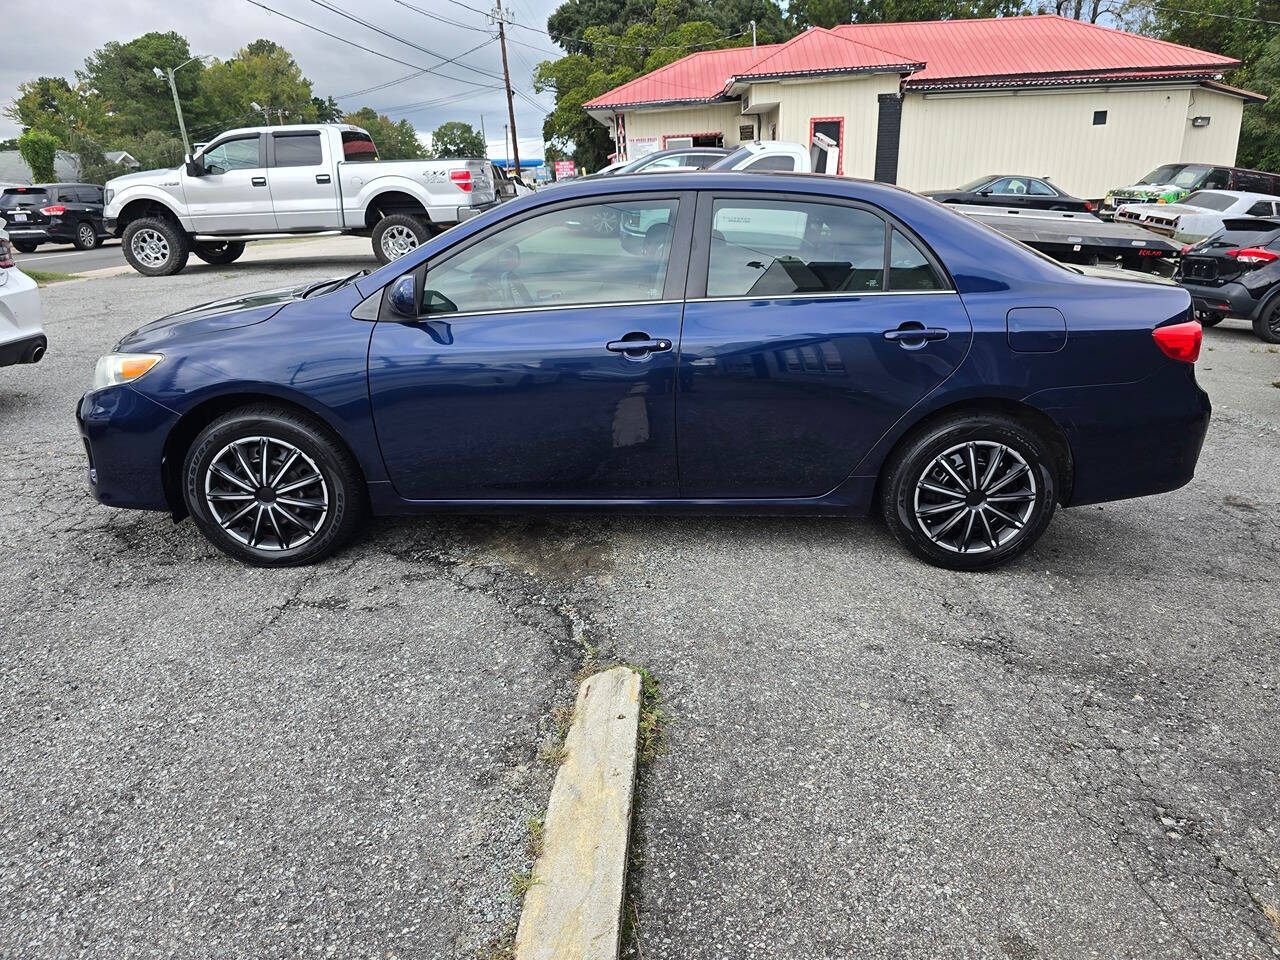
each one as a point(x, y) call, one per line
point(1236, 272)
point(53, 213)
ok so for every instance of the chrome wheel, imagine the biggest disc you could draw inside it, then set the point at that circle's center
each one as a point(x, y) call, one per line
point(266, 493)
point(604, 221)
point(149, 247)
point(398, 240)
point(87, 236)
point(975, 496)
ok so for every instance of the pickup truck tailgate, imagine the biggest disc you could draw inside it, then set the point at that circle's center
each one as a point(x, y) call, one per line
point(483, 189)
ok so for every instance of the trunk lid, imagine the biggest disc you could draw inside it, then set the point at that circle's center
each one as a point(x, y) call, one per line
point(1212, 261)
point(20, 206)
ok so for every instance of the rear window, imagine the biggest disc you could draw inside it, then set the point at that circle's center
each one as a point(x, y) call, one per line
point(358, 147)
point(298, 150)
point(1206, 200)
point(22, 197)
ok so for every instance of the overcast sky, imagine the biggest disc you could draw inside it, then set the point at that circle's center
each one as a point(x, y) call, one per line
point(70, 30)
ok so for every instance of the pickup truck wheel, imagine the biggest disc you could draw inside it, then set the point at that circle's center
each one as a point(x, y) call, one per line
point(217, 253)
point(155, 247)
point(25, 246)
point(398, 234)
point(86, 236)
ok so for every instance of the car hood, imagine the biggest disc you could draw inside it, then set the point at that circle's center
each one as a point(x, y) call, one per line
point(141, 176)
point(211, 317)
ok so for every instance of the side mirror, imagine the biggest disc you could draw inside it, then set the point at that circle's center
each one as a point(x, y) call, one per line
point(402, 297)
point(194, 168)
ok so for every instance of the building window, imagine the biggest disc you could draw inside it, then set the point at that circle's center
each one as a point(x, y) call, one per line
point(746, 132)
point(1099, 118)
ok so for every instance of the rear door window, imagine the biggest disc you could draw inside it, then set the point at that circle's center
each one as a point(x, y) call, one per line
point(782, 248)
point(298, 150)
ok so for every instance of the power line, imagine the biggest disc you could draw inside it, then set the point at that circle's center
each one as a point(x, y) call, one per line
point(408, 76)
point(352, 43)
point(1221, 16)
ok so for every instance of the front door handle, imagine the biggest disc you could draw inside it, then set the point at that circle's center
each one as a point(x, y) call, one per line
point(322, 178)
point(916, 334)
point(638, 346)
point(259, 181)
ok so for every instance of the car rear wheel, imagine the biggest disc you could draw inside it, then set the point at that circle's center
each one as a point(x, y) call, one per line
point(970, 492)
point(398, 234)
point(218, 253)
point(155, 247)
point(1210, 319)
point(1267, 324)
point(86, 236)
point(272, 488)
point(25, 246)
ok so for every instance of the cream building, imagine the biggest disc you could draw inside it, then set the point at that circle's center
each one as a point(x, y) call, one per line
point(934, 105)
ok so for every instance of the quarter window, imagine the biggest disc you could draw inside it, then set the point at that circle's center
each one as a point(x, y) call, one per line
point(778, 248)
point(238, 154)
point(599, 253)
point(298, 150)
point(1038, 188)
point(909, 269)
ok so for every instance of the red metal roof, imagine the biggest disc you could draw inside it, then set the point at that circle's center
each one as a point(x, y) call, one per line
point(954, 53)
point(824, 51)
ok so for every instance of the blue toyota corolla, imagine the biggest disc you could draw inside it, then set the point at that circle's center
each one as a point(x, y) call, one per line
point(767, 343)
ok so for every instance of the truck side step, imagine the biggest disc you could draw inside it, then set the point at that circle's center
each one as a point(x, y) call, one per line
point(220, 238)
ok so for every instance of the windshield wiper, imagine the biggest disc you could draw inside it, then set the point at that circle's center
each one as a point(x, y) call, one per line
point(334, 282)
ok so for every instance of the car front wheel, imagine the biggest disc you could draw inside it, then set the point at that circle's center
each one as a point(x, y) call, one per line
point(155, 247)
point(272, 488)
point(970, 492)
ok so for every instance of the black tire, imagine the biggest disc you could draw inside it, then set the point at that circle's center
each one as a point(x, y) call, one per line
point(162, 247)
point(273, 529)
point(86, 236)
point(1267, 324)
point(25, 246)
point(226, 251)
point(965, 547)
point(401, 232)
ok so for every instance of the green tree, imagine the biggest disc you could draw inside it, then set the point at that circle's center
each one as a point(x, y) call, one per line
point(830, 13)
point(1260, 127)
point(396, 141)
point(325, 110)
point(457, 139)
point(156, 150)
point(122, 75)
point(94, 166)
point(263, 73)
point(38, 149)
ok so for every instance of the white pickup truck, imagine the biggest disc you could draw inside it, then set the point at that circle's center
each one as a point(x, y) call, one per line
point(261, 183)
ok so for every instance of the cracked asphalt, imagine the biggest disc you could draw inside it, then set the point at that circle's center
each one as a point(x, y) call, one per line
point(1078, 756)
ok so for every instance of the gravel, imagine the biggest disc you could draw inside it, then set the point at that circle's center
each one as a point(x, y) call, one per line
point(1072, 757)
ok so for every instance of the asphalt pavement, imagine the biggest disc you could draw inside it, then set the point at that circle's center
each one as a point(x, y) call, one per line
point(1072, 757)
point(64, 258)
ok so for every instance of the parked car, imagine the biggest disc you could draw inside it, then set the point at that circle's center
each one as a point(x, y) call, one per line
point(666, 161)
point(262, 183)
point(22, 337)
point(798, 345)
point(506, 186)
point(54, 213)
point(1014, 192)
point(1199, 214)
point(1173, 181)
point(783, 156)
point(1236, 272)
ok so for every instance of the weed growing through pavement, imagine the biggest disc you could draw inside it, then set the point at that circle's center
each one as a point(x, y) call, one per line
point(1270, 910)
point(521, 882)
point(533, 847)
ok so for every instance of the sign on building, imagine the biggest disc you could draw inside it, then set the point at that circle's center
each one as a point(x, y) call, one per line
point(565, 169)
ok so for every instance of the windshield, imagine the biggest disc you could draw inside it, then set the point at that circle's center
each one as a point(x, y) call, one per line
point(1178, 174)
point(1207, 200)
point(974, 184)
point(732, 160)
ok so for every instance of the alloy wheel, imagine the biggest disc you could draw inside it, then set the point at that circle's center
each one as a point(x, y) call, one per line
point(150, 247)
point(604, 221)
point(87, 236)
point(398, 240)
point(266, 493)
point(975, 497)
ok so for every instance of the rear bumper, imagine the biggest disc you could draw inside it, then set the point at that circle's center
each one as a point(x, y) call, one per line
point(124, 435)
point(467, 213)
point(1152, 447)
point(29, 234)
point(27, 350)
point(1232, 299)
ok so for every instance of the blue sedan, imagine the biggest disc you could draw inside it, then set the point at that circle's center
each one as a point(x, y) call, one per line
point(755, 342)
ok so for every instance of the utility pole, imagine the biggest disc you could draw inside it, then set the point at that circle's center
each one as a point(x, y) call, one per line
point(753, 33)
point(499, 17)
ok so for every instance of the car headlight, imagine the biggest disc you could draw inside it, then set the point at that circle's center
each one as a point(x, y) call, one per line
point(117, 368)
point(109, 197)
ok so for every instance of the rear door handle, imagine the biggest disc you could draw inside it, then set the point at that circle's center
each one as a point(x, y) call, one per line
point(322, 178)
point(910, 334)
point(259, 181)
point(639, 347)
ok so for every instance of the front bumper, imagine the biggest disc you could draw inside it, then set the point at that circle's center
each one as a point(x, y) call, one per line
point(1230, 299)
point(124, 435)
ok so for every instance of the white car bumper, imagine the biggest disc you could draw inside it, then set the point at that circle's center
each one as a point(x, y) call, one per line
point(22, 338)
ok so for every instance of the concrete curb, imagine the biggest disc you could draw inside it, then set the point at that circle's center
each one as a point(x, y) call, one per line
point(573, 909)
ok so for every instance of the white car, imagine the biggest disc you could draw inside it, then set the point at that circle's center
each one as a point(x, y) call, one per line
point(22, 338)
point(781, 156)
point(1199, 214)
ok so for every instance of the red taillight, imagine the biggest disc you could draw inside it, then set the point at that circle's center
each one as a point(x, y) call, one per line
point(56, 210)
point(6, 258)
point(1254, 255)
point(1180, 341)
point(1090, 206)
point(461, 179)
point(1186, 248)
